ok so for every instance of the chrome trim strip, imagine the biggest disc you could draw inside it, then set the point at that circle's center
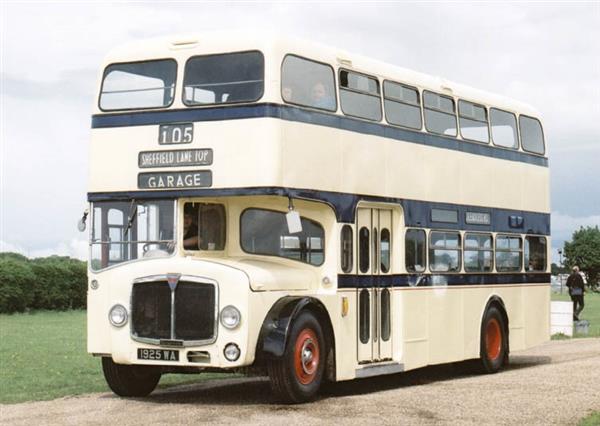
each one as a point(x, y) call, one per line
point(377, 370)
point(189, 278)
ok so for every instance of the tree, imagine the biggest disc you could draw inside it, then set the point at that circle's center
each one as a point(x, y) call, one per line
point(16, 285)
point(584, 250)
point(555, 269)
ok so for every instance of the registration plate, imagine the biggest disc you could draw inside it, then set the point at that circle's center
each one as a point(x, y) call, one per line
point(158, 354)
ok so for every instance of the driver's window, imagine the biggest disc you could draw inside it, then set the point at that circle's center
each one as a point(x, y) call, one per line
point(203, 226)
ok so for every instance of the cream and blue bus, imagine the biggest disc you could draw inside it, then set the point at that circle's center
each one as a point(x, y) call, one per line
point(259, 203)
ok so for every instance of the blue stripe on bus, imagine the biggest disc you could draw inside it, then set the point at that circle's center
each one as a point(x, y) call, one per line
point(291, 113)
point(416, 213)
point(436, 280)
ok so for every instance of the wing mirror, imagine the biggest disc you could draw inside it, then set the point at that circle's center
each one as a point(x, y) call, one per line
point(81, 225)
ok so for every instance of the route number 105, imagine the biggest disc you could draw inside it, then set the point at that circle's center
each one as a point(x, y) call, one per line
point(169, 134)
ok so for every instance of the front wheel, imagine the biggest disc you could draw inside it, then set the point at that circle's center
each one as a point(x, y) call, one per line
point(130, 380)
point(296, 377)
point(494, 341)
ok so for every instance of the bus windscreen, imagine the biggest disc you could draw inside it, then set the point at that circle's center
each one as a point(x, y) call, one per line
point(138, 85)
point(224, 78)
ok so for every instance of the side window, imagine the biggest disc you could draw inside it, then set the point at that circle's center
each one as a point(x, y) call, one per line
point(535, 253)
point(440, 114)
point(532, 136)
point(364, 244)
point(414, 250)
point(479, 253)
point(308, 83)
point(346, 248)
point(504, 128)
point(266, 232)
point(444, 251)
point(384, 249)
point(508, 253)
point(360, 95)
point(473, 122)
point(203, 226)
point(402, 105)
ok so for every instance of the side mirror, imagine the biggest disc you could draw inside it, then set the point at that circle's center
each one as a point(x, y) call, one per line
point(81, 225)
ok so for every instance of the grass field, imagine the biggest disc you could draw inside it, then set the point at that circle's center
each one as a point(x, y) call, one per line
point(591, 311)
point(43, 356)
point(591, 420)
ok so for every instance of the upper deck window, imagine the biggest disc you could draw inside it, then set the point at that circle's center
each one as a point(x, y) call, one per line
point(532, 137)
point(402, 105)
point(440, 114)
point(308, 83)
point(224, 78)
point(138, 85)
point(504, 128)
point(360, 96)
point(473, 122)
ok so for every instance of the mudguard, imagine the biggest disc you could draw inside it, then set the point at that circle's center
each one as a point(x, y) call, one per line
point(275, 329)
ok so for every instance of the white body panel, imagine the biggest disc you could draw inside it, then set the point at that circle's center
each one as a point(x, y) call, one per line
point(429, 325)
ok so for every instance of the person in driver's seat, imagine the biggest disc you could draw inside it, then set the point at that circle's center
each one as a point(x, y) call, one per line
point(190, 228)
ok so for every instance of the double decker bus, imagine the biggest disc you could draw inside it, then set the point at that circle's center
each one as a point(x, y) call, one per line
point(268, 203)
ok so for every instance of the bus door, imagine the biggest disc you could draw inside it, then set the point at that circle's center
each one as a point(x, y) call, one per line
point(374, 248)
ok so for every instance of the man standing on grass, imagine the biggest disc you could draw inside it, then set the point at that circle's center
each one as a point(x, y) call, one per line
point(576, 286)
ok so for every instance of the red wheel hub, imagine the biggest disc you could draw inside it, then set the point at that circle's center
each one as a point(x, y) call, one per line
point(493, 339)
point(306, 356)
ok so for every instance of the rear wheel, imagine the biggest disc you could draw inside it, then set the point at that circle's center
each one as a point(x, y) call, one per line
point(130, 380)
point(494, 341)
point(296, 377)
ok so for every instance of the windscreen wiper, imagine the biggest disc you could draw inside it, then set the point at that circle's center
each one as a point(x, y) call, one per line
point(131, 216)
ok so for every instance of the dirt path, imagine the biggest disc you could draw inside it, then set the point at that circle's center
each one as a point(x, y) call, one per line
point(556, 383)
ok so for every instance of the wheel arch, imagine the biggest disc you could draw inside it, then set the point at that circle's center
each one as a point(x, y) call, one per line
point(276, 327)
point(497, 302)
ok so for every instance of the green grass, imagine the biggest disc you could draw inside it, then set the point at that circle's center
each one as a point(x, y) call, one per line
point(591, 312)
point(43, 356)
point(591, 420)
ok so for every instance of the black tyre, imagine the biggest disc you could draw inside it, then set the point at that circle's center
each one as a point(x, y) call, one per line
point(297, 376)
point(130, 380)
point(494, 341)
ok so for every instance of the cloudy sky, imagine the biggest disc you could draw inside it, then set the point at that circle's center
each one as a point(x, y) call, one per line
point(546, 54)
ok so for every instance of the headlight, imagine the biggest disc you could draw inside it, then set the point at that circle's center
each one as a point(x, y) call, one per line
point(118, 315)
point(230, 317)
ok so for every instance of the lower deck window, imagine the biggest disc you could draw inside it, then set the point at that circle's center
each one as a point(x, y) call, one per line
point(203, 226)
point(479, 253)
point(128, 230)
point(414, 250)
point(266, 232)
point(444, 252)
point(508, 253)
point(535, 253)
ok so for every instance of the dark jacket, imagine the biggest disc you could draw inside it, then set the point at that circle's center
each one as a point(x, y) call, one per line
point(575, 282)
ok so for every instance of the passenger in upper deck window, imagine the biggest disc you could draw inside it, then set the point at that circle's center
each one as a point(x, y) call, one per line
point(320, 98)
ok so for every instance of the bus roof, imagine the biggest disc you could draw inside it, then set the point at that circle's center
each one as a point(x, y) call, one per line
point(185, 45)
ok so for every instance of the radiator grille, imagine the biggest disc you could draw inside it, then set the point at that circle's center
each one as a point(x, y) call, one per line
point(193, 311)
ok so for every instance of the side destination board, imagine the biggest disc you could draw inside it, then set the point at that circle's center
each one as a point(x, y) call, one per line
point(169, 180)
point(175, 158)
